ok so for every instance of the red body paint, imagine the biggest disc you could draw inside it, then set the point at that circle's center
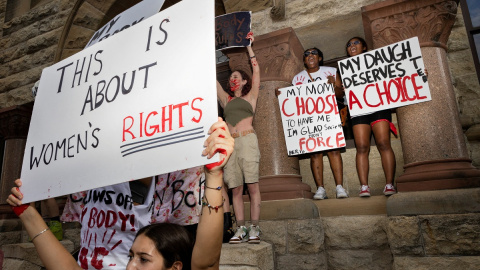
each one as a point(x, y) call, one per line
point(18, 210)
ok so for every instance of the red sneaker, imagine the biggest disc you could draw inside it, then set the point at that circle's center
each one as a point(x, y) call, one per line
point(389, 190)
point(364, 191)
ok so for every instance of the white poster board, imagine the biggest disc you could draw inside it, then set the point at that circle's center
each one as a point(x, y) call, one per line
point(385, 78)
point(137, 104)
point(310, 118)
point(127, 19)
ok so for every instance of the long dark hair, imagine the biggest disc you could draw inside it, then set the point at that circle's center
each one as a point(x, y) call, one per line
point(320, 55)
point(364, 44)
point(173, 241)
point(246, 88)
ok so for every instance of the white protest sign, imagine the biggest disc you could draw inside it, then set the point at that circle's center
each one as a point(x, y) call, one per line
point(385, 78)
point(127, 19)
point(137, 104)
point(310, 117)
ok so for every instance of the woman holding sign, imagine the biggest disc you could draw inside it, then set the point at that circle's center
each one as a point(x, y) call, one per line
point(379, 123)
point(157, 246)
point(314, 71)
point(239, 108)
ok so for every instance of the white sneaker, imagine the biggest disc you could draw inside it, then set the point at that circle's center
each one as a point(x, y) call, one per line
point(320, 194)
point(240, 235)
point(389, 190)
point(364, 191)
point(341, 193)
point(253, 234)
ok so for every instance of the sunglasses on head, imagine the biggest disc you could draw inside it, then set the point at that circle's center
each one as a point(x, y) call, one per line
point(307, 53)
point(356, 42)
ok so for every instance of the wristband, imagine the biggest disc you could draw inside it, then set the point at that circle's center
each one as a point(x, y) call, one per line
point(18, 210)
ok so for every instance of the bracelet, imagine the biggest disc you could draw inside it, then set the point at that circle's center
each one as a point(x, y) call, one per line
point(253, 57)
point(217, 188)
point(207, 204)
point(38, 234)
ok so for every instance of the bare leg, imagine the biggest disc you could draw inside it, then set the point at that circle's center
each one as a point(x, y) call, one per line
point(52, 207)
point(316, 163)
point(381, 131)
point(255, 201)
point(362, 133)
point(238, 206)
point(336, 164)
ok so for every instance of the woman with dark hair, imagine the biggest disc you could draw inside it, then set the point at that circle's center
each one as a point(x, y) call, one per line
point(378, 123)
point(314, 71)
point(239, 106)
point(158, 246)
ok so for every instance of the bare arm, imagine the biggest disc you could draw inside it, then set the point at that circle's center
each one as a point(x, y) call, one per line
point(208, 244)
point(51, 252)
point(222, 96)
point(255, 70)
point(339, 90)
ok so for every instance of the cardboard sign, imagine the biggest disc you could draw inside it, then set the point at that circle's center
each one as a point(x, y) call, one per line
point(310, 117)
point(385, 78)
point(231, 30)
point(137, 104)
point(126, 19)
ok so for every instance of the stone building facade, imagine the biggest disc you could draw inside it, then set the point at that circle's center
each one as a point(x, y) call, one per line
point(422, 229)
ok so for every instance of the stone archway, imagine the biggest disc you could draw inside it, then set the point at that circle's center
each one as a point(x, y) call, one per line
point(87, 16)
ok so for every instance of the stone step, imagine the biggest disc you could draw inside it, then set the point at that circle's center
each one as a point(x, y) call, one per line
point(24, 255)
point(246, 256)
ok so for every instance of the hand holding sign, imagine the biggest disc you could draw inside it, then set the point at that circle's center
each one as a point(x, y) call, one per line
point(250, 37)
point(103, 116)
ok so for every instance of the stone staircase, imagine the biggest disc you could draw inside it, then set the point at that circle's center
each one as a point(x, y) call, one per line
point(293, 236)
point(352, 233)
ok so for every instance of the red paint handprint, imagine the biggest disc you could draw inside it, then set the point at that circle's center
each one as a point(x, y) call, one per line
point(300, 80)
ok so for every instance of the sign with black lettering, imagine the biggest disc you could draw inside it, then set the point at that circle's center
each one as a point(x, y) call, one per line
point(310, 118)
point(125, 108)
point(231, 30)
point(127, 19)
point(385, 78)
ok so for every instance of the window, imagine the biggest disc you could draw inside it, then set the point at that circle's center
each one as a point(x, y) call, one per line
point(16, 8)
point(471, 15)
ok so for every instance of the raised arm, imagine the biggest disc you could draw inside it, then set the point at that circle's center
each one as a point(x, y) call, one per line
point(53, 255)
point(208, 244)
point(255, 69)
point(222, 96)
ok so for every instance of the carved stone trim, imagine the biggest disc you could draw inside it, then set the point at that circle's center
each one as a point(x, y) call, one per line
point(430, 20)
point(279, 55)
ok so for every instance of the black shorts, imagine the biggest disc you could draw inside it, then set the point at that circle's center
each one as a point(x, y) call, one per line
point(370, 118)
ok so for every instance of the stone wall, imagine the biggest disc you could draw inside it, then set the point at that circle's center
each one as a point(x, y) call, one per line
point(466, 85)
point(28, 45)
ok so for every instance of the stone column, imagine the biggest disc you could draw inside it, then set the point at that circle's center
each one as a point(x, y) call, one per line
point(14, 124)
point(433, 143)
point(279, 55)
